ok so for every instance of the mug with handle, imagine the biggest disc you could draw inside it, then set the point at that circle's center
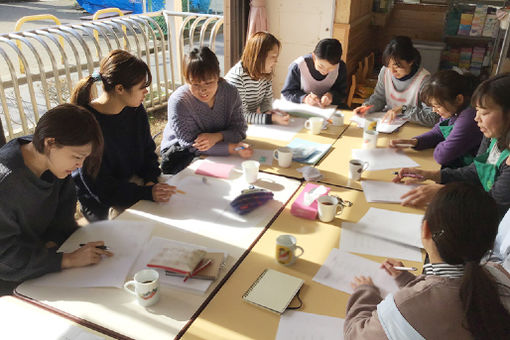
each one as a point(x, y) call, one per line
point(146, 287)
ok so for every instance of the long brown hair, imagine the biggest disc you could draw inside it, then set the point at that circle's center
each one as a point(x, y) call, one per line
point(71, 125)
point(463, 220)
point(119, 67)
point(255, 53)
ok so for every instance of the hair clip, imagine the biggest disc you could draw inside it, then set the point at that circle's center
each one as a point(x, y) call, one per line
point(96, 76)
point(438, 234)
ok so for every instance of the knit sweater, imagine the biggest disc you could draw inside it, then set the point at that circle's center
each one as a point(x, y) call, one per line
point(33, 211)
point(255, 94)
point(464, 139)
point(188, 117)
point(292, 88)
point(128, 151)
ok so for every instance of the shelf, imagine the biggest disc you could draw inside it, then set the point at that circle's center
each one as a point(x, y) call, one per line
point(499, 3)
point(468, 37)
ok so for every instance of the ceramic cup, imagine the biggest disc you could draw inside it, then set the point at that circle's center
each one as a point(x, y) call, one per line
point(146, 283)
point(250, 171)
point(370, 124)
point(314, 124)
point(370, 139)
point(286, 249)
point(283, 156)
point(356, 167)
point(338, 119)
point(329, 207)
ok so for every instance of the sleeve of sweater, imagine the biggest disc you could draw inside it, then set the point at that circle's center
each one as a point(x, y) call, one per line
point(267, 102)
point(292, 87)
point(339, 88)
point(150, 170)
point(430, 138)
point(361, 320)
point(378, 98)
point(421, 113)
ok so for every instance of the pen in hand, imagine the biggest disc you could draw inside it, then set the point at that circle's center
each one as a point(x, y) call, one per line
point(98, 247)
point(412, 269)
point(410, 175)
point(238, 148)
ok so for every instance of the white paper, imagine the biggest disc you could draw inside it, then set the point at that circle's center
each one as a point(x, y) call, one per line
point(378, 191)
point(296, 325)
point(384, 158)
point(340, 269)
point(124, 239)
point(395, 226)
point(354, 242)
point(154, 246)
point(262, 156)
point(275, 131)
point(284, 105)
point(381, 127)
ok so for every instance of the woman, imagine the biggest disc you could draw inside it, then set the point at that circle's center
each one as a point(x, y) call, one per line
point(129, 168)
point(204, 116)
point(398, 85)
point(457, 297)
point(252, 77)
point(319, 78)
point(489, 168)
point(37, 195)
point(456, 137)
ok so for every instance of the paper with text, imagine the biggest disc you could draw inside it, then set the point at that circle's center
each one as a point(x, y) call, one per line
point(384, 158)
point(384, 127)
point(389, 192)
point(296, 325)
point(340, 269)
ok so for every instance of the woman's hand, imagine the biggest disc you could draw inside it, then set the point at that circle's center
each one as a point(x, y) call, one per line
point(388, 267)
point(205, 141)
point(413, 175)
point(360, 111)
point(84, 256)
point(361, 280)
point(421, 196)
point(392, 114)
point(312, 99)
point(161, 192)
point(403, 143)
point(279, 117)
point(326, 99)
point(242, 149)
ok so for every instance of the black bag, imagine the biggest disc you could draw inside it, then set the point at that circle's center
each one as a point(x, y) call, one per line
point(175, 158)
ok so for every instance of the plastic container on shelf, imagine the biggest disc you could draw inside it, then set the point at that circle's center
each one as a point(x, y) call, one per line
point(430, 53)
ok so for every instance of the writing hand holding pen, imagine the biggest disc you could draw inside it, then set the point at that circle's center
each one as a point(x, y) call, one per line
point(362, 110)
point(89, 253)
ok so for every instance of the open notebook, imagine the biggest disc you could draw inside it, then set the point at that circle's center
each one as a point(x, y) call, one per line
point(273, 290)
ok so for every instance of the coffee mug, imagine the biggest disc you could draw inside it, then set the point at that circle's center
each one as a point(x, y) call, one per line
point(250, 171)
point(338, 119)
point(370, 124)
point(370, 139)
point(314, 124)
point(329, 207)
point(283, 156)
point(146, 283)
point(356, 167)
point(286, 249)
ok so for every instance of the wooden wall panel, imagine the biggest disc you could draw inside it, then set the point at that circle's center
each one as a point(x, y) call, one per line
point(348, 11)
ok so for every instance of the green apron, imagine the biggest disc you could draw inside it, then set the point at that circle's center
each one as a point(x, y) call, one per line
point(487, 172)
point(446, 130)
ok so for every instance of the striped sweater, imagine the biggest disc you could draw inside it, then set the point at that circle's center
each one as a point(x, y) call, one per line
point(255, 94)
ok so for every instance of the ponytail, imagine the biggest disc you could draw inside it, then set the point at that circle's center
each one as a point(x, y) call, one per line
point(484, 315)
point(84, 92)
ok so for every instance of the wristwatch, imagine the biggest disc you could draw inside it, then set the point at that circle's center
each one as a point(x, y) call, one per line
point(403, 109)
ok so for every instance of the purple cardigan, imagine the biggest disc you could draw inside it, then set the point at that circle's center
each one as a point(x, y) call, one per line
point(464, 138)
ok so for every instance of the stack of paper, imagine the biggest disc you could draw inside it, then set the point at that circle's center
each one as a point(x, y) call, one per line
point(381, 159)
point(389, 192)
point(303, 110)
point(384, 127)
point(306, 151)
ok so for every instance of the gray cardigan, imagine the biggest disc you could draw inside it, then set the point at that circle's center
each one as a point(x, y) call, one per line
point(33, 211)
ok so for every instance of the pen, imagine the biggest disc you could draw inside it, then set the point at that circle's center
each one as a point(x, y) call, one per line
point(237, 148)
point(180, 192)
point(411, 269)
point(98, 247)
point(363, 109)
point(410, 175)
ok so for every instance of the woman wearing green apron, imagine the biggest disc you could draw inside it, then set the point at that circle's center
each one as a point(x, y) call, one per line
point(489, 168)
point(456, 138)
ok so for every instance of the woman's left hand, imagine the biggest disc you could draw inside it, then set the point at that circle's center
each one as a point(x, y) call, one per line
point(421, 196)
point(326, 99)
point(361, 280)
point(205, 141)
point(392, 114)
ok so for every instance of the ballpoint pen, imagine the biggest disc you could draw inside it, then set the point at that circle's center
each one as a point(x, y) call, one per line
point(237, 148)
point(410, 269)
point(411, 175)
point(98, 247)
point(364, 109)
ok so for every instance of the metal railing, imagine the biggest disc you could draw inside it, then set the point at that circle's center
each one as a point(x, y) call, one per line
point(52, 69)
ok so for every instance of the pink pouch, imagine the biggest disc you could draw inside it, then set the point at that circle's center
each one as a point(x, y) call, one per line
point(213, 169)
point(299, 209)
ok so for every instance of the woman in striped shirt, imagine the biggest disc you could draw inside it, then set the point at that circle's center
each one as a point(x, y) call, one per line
point(252, 77)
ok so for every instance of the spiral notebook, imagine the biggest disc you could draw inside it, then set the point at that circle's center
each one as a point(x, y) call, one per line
point(273, 290)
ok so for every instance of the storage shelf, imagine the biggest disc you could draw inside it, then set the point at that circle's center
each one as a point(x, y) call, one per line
point(468, 37)
point(499, 3)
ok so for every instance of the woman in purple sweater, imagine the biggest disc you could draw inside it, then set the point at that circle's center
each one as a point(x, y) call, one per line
point(456, 137)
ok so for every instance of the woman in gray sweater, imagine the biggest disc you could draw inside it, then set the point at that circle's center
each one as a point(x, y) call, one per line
point(37, 196)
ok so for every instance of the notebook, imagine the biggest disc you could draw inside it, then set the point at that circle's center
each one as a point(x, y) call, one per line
point(209, 272)
point(273, 290)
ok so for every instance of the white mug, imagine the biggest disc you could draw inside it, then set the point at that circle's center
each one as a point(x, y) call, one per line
point(286, 250)
point(146, 283)
point(250, 171)
point(356, 167)
point(370, 139)
point(338, 119)
point(328, 208)
point(283, 156)
point(314, 124)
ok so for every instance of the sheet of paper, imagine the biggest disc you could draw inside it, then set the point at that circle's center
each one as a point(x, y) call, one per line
point(155, 245)
point(214, 169)
point(378, 191)
point(277, 132)
point(384, 158)
point(295, 325)
point(381, 127)
point(395, 226)
point(340, 269)
point(263, 156)
point(303, 109)
point(307, 152)
point(125, 240)
point(354, 242)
